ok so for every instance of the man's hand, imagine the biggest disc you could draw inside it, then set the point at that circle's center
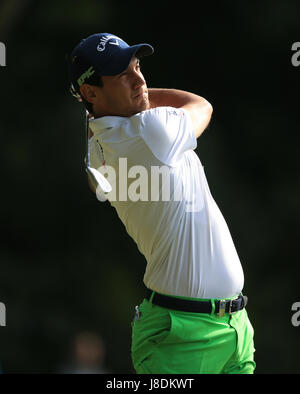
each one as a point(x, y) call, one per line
point(200, 110)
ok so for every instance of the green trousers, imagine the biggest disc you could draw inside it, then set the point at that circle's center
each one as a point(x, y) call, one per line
point(166, 341)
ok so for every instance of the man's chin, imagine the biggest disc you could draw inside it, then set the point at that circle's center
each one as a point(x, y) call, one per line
point(143, 106)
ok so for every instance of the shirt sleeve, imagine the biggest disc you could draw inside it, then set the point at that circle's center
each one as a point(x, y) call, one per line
point(168, 132)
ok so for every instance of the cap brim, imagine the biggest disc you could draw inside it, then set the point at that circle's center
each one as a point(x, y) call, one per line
point(143, 50)
point(119, 62)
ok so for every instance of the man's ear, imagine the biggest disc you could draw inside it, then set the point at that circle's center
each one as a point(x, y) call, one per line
point(88, 92)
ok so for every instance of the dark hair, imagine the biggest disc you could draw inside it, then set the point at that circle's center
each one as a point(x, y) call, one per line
point(94, 80)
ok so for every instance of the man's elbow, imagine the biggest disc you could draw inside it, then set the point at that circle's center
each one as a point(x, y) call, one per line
point(209, 109)
point(204, 115)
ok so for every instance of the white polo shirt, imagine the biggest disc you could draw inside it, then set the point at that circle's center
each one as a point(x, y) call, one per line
point(175, 221)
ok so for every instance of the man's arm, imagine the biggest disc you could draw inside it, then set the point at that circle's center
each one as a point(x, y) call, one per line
point(200, 110)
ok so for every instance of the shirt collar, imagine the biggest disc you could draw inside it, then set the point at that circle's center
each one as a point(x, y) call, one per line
point(105, 122)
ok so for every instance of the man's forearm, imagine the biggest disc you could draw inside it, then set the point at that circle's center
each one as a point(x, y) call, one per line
point(199, 108)
point(170, 97)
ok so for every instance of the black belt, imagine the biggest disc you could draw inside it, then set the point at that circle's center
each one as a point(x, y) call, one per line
point(221, 306)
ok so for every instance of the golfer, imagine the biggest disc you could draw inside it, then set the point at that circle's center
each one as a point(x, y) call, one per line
point(193, 318)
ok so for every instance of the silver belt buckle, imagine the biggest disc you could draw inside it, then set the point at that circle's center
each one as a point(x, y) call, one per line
point(222, 307)
point(137, 313)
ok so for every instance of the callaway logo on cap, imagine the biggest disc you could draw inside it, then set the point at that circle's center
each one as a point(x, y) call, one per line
point(113, 40)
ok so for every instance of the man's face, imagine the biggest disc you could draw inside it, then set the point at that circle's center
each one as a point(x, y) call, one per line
point(124, 94)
